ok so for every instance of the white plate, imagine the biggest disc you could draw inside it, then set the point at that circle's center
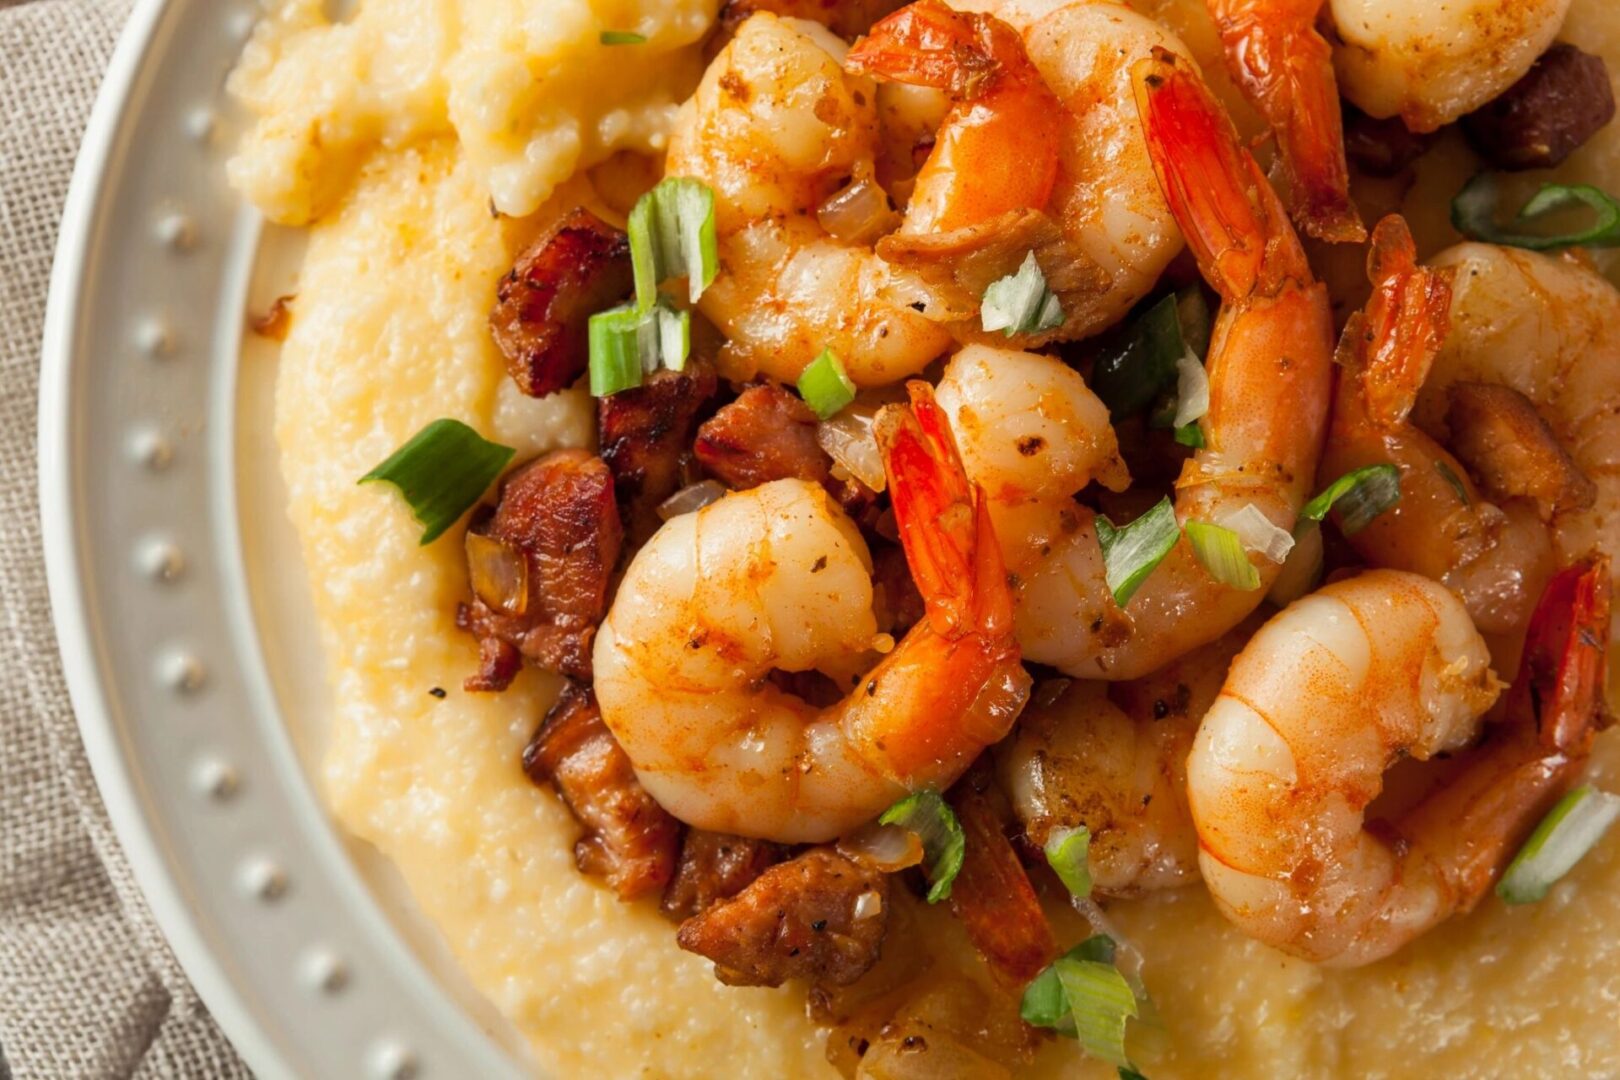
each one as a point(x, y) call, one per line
point(180, 603)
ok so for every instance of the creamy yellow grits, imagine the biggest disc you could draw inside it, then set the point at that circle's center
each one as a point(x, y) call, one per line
point(390, 134)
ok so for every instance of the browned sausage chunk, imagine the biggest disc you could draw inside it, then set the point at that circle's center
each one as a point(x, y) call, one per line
point(629, 839)
point(646, 437)
point(766, 434)
point(558, 523)
point(1501, 437)
point(714, 867)
point(542, 306)
point(1544, 117)
point(818, 917)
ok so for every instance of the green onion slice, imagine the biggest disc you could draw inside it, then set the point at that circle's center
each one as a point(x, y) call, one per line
point(1128, 1073)
point(1139, 361)
point(626, 343)
point(1221, 553)
point(672, 235)
point(1359, 496)
point(825, 386)
point(1044, 1005)
point(1101, 1001)
point(1132, 553)
point(622, 37)
point(1190, 435)
point(1562, 839)
point(1449, 475)
point(1067, 852)
point(442, 471)
point(1021, 303)
point(927, 814)
point(1473, 213)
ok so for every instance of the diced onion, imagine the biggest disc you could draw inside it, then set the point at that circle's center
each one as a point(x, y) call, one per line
point(887, 849)
point(1303, 570)
point(858, 214)
point(848, 440)
point(868, 905)
point(1259, 534)
point(693, 497)
point(1562, 839)
point(499, 573)
point(1192, 390)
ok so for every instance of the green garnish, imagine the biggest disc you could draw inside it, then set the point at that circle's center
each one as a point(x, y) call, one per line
point(927, 814)
point(1067, 852)
point(1131, 553)
point(1474, 210)
point(1139, 361)
point(627, 343)
point(825, 386)
point(672, 235)
point(1044, 1005)
point(622, 37)
point(1083, 995)
point(442, 471)
point(1359, 496)
point(1562, 839)
point(1190, 435)
point(1220, 551)
point(1021, 303)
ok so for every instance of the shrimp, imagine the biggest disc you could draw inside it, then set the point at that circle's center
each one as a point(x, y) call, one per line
point(1325, 698)
point(776, 577)
point(1285, 69)
point(1269, 371)
point(1431, 63)
point(1113, 758)
point(776, 128)
point(1498, 559)
point(1105, 234)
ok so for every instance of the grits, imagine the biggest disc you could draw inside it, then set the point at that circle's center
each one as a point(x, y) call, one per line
point(393, 149)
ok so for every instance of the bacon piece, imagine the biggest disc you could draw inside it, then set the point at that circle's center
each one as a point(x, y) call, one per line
point(560, 514)
point(819, 917)
point(1561, 102)
point(579, 267)
point(646, 433)
point(629, 839)
point(714, 867)
point(1499, 434)
point(766, 434)
point(992, 895)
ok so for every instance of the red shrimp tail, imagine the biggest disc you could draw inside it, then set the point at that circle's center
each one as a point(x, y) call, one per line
point(943, 519)
point(1564, 669)
point(1407, 321)
point(930, 44)
point(1234, 222)
point(1285, 69)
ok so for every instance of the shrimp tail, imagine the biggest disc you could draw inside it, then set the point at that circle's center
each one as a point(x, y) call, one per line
point(1560, 687)
point(1405, 325)
point(1234, 222)
point(929, 44)
point(944, 521)
point(1285, 69)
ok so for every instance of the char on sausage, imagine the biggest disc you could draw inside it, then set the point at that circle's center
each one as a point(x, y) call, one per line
point(714, 867)
point(646, 437)
point(1536, 123)
point(767, 434)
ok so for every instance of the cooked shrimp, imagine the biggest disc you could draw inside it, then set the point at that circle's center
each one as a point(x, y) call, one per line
point(778, 578)
point(776, 128)
point(1432, 63)
point(1498, 559)
point(1104, 235)
point(1285, 69)
point(1325, 698)
point(1113, 757)
point(1269, 367)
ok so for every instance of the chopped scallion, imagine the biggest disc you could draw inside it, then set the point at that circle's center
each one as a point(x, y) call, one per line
point(825, 386)
point(626, 343)
point(672, 235)
point(442, 471)
point(1131, 553)
point(1128, 1073)
point(1359, 496)
point(1101, 1001)
point(1562, 839)
point(1474, 214)
point(1190, 435)
point(1068, 852)
point(927, 814)
point(1221, 553)
point(1021, 303)
point(622, 37)
point(1044, 1005)
point(1139, 360)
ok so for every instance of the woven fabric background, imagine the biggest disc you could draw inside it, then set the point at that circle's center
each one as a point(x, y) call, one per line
point(88, 987)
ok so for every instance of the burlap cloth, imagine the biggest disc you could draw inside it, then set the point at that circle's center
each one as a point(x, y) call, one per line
point(88, 987)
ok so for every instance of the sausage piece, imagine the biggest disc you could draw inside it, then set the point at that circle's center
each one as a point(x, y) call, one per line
point(558, 515)
point(819, 917)
point(629, 839)
point(714, 867)
point(542, 306)
point(646, 437)
point(1562, 101)
point(767, 434)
